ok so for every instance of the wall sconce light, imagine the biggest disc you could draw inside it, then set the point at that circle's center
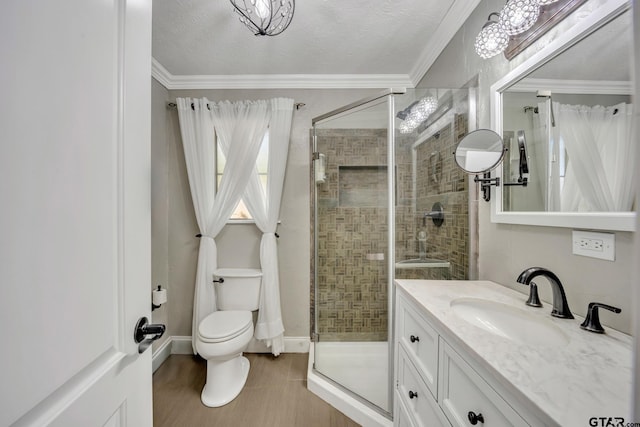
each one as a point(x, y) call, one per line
point(520, 23)
point(417, 113)
point(517, 16)
point(492, 39)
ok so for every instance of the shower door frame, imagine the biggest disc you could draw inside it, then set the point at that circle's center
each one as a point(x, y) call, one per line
point(391, 182)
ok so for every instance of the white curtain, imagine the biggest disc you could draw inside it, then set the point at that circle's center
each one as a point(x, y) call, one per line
point(265, 209)
point(240, 127)
point(600, 153)
point(549, 139)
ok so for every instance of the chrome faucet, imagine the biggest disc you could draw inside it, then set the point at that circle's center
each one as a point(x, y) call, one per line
point(560, 305)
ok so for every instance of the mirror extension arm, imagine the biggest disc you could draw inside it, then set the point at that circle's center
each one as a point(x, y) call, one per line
point(485, 184)
point(523, 165)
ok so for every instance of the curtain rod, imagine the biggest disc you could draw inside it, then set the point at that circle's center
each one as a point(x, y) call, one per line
point(298, 105)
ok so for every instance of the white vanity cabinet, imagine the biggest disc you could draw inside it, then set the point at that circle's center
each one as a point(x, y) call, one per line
point(462, 391)
point(435, 386)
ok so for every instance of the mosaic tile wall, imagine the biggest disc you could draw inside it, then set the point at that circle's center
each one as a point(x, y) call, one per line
point(352, 224)
point(352, 232)
point(438, 179)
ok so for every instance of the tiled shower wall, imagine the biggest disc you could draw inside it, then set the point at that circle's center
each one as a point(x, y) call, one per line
point(352, 223)
point(438, 179)
point(351, 234)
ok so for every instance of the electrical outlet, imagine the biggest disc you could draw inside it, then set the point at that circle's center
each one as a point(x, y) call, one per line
point(594, 245)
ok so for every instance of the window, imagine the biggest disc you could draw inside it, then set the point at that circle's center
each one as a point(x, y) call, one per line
point(241, 212)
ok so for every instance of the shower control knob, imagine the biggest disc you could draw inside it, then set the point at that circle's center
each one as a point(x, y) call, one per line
point(412, 394)
point(475, 418)
point(413, 338)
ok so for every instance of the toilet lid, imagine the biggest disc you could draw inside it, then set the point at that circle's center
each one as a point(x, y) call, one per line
point(224, 325)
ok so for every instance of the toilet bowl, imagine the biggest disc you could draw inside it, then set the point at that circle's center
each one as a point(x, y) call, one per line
point(223, 335)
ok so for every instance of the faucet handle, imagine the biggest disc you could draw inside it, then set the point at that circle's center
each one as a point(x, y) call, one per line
point(592, 320)
point(534, 300)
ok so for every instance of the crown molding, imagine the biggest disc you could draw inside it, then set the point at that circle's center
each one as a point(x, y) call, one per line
point(160, 73)
point(591, 87)
point(452, 22)
point(278, 81)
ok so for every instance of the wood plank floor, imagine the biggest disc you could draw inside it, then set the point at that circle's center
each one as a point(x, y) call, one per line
point(275, 395)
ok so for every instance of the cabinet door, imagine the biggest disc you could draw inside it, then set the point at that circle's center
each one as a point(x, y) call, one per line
point(413, 393)
point(463, 391)
point(421, 342)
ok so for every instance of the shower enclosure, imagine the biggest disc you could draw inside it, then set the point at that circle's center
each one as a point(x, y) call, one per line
point(373, 180)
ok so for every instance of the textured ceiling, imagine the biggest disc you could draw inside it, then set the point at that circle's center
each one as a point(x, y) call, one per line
point(326, 37)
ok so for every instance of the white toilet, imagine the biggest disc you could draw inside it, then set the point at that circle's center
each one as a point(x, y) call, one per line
point(223, 335)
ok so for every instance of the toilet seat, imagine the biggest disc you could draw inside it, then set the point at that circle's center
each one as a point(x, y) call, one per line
point(222, 326)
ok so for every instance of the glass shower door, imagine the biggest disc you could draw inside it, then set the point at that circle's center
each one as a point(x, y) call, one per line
point(353, 202)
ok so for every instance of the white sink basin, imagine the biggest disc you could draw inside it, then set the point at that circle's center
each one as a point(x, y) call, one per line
point(509, 322)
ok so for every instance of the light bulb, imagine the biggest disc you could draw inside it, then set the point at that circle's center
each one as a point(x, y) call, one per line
point(491, 40)
point(518, 16)
point(263, 8)
point(426, 106)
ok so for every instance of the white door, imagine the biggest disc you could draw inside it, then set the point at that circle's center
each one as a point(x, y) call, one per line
point(74, 212)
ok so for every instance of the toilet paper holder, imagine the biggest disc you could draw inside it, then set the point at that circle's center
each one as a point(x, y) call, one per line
point(159, 297)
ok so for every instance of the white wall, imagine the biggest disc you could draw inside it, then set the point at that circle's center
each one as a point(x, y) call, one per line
point(238, 245)
point(506, 250)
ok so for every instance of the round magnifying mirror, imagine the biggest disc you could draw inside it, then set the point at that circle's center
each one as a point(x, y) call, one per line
point(479, 151)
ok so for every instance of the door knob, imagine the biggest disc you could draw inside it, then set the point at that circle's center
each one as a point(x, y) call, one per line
point(146, 333)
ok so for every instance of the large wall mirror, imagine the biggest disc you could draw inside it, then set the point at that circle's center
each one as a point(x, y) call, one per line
point(571, 102)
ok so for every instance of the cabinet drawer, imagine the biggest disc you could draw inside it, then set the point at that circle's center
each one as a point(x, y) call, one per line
point(462, 391)
point(421, 342)
point(401, 416)
point(413, 393)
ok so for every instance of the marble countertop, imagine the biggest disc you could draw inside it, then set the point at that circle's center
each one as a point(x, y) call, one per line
point(565, 385)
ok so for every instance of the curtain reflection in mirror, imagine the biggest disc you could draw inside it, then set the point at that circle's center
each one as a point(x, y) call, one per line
point(600, 152)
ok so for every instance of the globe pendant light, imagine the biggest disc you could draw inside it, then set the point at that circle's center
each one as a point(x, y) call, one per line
point(265, 17)
point(518, 16)
point(492, 39)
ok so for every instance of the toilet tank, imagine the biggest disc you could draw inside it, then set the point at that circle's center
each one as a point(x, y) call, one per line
point(240, 289)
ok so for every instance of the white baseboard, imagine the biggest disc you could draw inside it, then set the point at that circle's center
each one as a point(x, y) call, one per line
point(161, 354)
point(182, 345)
point(291, 345)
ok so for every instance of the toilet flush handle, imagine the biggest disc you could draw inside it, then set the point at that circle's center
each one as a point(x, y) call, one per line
point(220, 280)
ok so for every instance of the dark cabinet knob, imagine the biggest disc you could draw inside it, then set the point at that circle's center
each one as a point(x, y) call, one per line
point(475, 418)
point(412, 394)
point(413, 338)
